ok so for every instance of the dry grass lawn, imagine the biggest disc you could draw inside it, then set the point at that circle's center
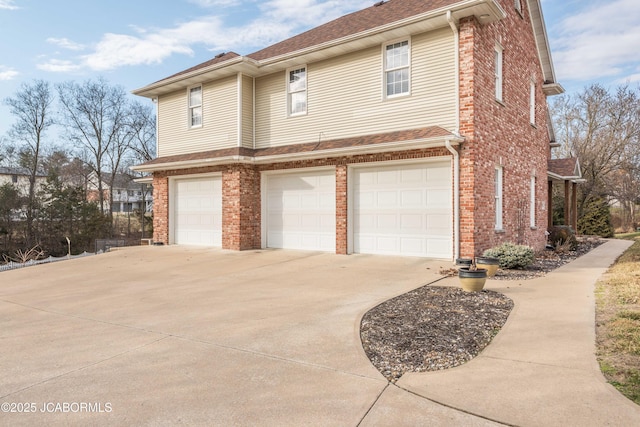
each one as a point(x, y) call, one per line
point(618, 322)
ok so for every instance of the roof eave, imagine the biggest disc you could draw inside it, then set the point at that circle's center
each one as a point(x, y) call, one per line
point(433, 142)
point(551, 89)
point(542, 43)
point(238, 64)
point(430, 20)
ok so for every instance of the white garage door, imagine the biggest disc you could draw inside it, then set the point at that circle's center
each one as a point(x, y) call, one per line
point(301, 210)
point(403, 210)
point(198, 211)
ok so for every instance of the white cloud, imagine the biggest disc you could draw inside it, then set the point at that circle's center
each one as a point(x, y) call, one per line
point(7, 73)
point(59, 66)
point(65, 43)
point(279, 19)
point(8, 5)
point(599, 42)
point(153, 46)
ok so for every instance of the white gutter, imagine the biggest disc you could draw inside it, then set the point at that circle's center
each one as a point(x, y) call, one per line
point(306, 155)
point(456, 197)
point(454, 152)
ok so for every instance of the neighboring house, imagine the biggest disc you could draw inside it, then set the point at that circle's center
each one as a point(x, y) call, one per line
point(412, 127)
point(128, 195)
point(19, 177)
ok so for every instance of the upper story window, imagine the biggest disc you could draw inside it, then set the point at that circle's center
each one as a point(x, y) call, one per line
point(498, 197)
point(195, 107)
point(297, 91)
point(518, 6)
point(498, 71)
point(14, 179)
point(397, 70)
point(532, 103)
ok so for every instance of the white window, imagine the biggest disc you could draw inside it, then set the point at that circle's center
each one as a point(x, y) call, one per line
point(498, 197)
point(498, 71)
point(297, 91)
point(518, 6)
point(195, 107)
point(397, 76)
point(532, 103)
point(532, 203)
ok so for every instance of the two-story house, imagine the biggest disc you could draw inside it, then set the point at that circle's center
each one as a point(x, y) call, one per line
point(19, 178)
point(128, 194)
point(412, 127)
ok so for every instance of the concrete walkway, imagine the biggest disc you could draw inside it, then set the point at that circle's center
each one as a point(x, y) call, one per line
point(541, 369)
point(192, 336)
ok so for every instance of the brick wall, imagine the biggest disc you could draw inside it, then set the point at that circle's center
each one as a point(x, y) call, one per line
point(500, 133)
point(241, 208)
point(160, 208)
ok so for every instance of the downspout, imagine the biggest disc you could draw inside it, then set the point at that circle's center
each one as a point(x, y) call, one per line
point(454, 152)
point(456, 197)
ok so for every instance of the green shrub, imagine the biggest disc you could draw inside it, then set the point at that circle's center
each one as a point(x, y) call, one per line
point(512, 256)
point(595, 219)
point(563, 235)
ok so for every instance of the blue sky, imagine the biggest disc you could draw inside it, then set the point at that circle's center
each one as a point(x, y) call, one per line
point(136, 42)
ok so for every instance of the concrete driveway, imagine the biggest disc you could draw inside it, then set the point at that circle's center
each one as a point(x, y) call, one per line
point(170, 335)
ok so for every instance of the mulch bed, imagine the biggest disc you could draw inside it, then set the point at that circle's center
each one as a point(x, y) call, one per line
point(433, 328)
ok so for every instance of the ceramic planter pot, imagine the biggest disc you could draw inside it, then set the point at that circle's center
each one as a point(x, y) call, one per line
point(472, 280)
point(488, 263)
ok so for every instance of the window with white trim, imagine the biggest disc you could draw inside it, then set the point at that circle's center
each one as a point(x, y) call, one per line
point(195, 107)
point(397, 70)
point(518, 6)
point(498, 197)
point(498, 71)
point(532, 203)
point(297, 91)
point(532, 102)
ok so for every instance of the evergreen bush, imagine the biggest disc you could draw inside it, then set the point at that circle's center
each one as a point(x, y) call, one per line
point(511, 255)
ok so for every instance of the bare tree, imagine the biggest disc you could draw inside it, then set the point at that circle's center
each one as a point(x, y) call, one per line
point(602, 129)
point(32, 107)
point(95, 114)
point(142, 121)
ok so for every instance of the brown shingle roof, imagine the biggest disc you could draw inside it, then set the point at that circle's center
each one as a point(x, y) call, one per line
point(359, 141)
point(564, 167)
point(222, 57)
point(353, 23)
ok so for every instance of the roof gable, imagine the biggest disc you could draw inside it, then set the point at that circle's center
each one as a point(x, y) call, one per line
point(382, 17)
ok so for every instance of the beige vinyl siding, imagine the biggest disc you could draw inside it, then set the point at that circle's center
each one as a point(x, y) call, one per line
point(345, 96)
point(219, 120)
point(247, 111)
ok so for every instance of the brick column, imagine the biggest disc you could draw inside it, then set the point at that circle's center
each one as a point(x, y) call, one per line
point(341, 209)
point(468, 152)
point(160, 208)
point(241, 208)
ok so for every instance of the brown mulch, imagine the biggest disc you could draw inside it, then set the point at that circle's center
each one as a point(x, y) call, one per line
point(433, 328)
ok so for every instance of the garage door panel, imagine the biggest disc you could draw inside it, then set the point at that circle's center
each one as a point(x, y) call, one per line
point(412, 222)
point(412, 198)
point(300, 210)
point(198, 211)
point(403, 209)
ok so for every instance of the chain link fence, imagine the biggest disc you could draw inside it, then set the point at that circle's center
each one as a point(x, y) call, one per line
point(14, 265)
